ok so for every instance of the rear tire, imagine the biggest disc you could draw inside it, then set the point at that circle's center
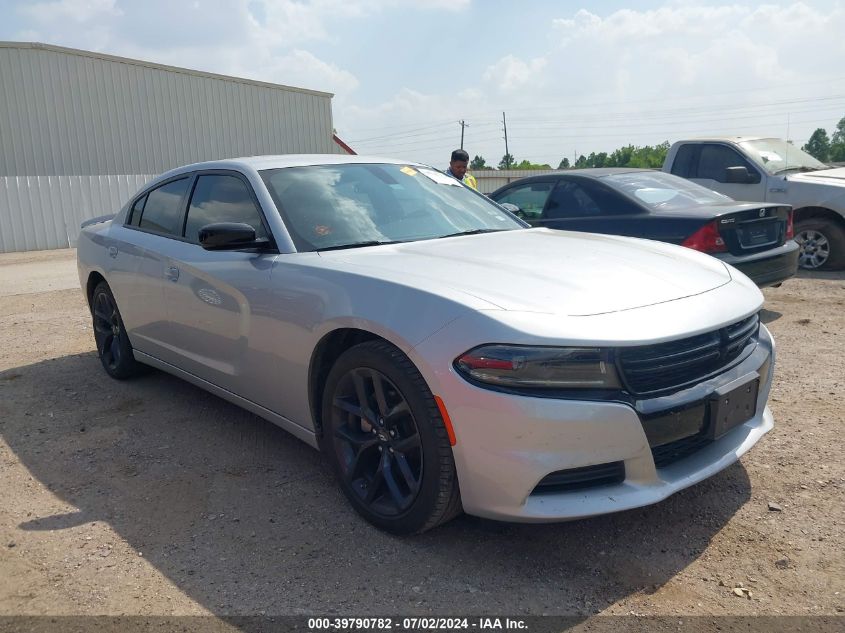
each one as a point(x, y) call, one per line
point(386, 441)
point(822, 244)
point(113, 345)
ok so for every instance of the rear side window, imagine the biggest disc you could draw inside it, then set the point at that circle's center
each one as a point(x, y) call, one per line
point(220, 198)
point(581, 198)
point(163, 210)
point(683, 163)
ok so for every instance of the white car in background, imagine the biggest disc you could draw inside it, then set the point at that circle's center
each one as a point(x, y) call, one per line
point(443, 355)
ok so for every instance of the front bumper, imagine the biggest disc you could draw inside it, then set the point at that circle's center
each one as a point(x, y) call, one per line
point(769, 267)
point(507, 444)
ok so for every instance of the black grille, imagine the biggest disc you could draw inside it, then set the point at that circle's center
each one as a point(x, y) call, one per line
point(585, 477)
point(673, 451)
point(665, 366)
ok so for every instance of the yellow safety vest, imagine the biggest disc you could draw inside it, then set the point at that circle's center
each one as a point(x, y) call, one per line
point(470, 181)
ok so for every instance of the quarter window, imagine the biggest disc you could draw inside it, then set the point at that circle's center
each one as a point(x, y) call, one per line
point(220, 198)
point(137, 210)
point(163, 210)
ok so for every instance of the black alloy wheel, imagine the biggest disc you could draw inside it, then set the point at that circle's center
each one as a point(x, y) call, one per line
point(377, 442)
point(113, 345)
point(386, 440)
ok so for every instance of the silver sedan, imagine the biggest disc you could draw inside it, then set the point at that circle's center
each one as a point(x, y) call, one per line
point(442, 355)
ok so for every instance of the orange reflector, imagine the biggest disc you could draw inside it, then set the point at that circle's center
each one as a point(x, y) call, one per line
point(447, 421)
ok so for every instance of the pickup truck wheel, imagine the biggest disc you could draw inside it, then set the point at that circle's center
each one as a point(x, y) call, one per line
point(822, 244)
point(386, 441)
point(113, 346)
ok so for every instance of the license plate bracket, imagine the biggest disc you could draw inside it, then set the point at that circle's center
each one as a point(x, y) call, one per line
point(732, 404)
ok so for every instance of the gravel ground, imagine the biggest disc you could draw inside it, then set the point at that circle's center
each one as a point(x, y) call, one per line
point(152, 497)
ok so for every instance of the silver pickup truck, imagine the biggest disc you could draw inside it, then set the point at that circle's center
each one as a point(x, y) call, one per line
point(771, 170)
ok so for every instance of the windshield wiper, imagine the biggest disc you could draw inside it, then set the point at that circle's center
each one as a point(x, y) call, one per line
point(359, 245)
point(472, 232)
point(801, 168)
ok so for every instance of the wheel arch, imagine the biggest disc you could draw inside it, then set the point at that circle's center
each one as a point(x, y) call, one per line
point(94, 279)
point(326, 352)
point(818, 213)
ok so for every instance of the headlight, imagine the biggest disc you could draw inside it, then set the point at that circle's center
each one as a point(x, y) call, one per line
point(540, 367)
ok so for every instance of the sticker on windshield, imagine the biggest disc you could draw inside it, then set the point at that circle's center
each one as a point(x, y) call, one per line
point(410, 171)
point(768, 155)
point(439, 178)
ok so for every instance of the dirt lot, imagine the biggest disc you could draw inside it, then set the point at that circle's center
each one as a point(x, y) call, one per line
point(153, 497)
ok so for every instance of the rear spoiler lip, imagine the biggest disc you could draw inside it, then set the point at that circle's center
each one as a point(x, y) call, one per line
point(97, 220)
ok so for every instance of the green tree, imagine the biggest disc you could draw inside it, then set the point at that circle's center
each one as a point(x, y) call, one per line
point(837, 142)
point(479, 163)
point(819, 145)
point(507, 162)
point(526, 164)
point(564, 164)
point(581, 163)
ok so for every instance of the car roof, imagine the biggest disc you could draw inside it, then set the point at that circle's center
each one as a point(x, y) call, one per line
point(728, 139)
point(589, 172)
point(279, 161)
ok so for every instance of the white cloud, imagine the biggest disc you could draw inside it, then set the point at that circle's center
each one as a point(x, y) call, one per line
point(511, 73)
point(73, 10)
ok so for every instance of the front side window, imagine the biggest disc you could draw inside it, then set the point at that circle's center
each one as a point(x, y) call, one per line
point(715, 159)
point(221, 198)
point(530, 198)
point(163, 209)
point(338, 206)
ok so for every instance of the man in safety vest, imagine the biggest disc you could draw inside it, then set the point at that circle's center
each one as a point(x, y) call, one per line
point(458, 169)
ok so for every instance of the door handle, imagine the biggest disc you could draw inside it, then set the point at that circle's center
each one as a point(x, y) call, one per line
point(172, 273)
point(113, 252)
point(777, 189)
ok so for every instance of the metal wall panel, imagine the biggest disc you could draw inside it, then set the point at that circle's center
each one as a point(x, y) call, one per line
point(44, 212)
point(80, 132)
point(68, 112)
point(490, 179)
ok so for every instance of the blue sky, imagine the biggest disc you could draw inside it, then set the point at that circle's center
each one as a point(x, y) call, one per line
point(573, 77)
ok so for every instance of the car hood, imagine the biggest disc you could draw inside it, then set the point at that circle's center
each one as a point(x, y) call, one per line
point(541, 270)
point(834, 177)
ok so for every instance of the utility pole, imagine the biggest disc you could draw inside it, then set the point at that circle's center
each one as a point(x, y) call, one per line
point(507, 153)
point(463, 124)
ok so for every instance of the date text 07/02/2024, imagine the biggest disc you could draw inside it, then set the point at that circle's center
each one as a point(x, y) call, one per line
point(416, 624)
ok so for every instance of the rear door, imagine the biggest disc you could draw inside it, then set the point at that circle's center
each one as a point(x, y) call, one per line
point(581, 204)
point(155, 224)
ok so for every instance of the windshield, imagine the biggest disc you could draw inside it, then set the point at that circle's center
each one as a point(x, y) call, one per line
point(664, 191)
point(332, 206)
point(776, 155)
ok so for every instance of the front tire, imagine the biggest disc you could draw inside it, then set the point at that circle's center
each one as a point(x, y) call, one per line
point(386, 441)
point(822, 244)
point(113, 345)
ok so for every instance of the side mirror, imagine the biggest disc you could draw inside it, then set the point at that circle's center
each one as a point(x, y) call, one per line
point(741, 175)
point(229, 236)
point(507, 206)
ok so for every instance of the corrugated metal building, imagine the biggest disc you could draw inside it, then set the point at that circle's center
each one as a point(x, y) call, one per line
point(80, 132)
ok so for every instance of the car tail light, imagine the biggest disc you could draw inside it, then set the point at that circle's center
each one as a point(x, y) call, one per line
point(790, 227)
point(706, 239)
